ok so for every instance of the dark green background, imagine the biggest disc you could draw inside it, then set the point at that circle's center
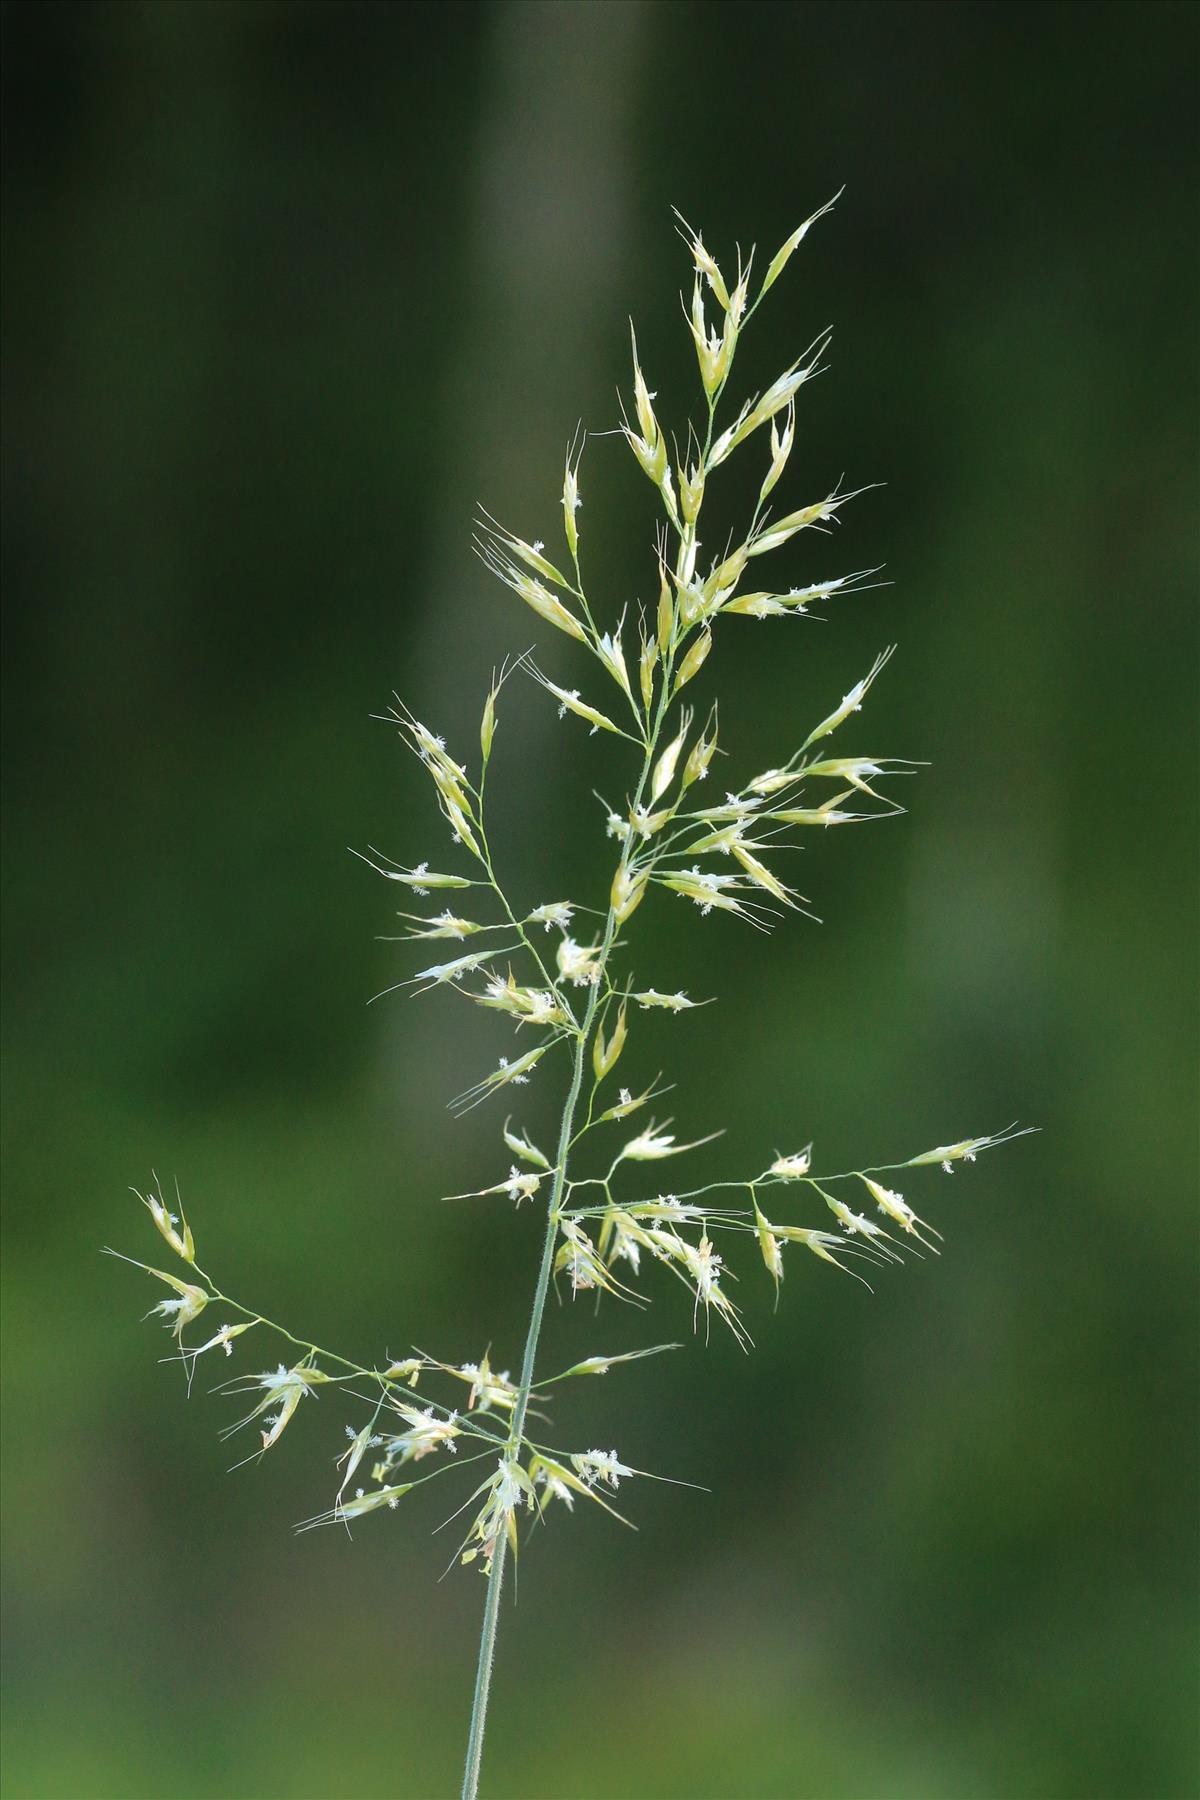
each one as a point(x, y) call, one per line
point(289, 289)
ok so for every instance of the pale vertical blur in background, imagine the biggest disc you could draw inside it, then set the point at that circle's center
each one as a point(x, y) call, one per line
point(290, 289)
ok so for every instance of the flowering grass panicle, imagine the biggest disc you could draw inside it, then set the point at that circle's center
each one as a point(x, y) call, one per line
point(559, 969)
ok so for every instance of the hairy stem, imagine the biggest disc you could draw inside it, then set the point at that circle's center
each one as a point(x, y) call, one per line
point(491, 1611)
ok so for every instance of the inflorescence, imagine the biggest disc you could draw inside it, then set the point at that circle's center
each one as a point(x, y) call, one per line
point(552, 969)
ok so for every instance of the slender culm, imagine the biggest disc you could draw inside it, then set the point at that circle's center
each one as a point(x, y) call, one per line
point(554, 970)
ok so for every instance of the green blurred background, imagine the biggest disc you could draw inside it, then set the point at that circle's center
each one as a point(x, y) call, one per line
point(289, 289)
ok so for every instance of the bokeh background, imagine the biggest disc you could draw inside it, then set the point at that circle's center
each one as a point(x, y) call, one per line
point(289, 289)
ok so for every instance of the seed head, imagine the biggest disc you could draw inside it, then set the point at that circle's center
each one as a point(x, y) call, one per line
point(175, 1229)
point(783, 255)
point(695, 659)
point(605, 1052)
point(897, 1208)
point(571, 502)
point(579, 963)
point(793, 1167)
point(519, 1144)
point(851, 702)
point(552, 912)
point(600, 1465)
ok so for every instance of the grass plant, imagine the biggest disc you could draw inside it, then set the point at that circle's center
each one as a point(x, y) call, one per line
point(559, 971)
